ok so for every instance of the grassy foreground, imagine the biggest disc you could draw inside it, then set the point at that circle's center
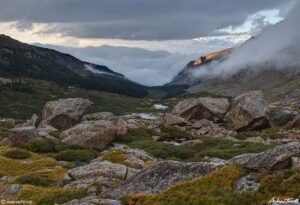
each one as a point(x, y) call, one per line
point(218, 188)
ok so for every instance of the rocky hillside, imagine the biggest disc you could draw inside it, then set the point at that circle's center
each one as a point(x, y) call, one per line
point(277, 84)
point(185, 78)
point(19, 60)
point(206, 150)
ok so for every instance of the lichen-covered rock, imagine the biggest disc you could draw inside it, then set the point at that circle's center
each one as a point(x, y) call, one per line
point(258, 139)
point(65, 113)
point(34, 121)
point(278, 158)
point(190, 143)
point(248, 112)
point(103, 172)
point(46, 128)
point(170, 119)
point(95, 134)
point(98, 116)
point(162, 175)
point(125, 155)
point(209, 128)
point(296, 162)
point(285, 136)
point(296, 122)
point(47, 136)
point(23, 134)
point(213, 109)
point(246, 183)
point(10, 192)
point(244, 158)
point(93, 200)
point(281, 117)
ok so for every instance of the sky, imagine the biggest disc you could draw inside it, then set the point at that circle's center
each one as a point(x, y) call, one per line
point(149, 41)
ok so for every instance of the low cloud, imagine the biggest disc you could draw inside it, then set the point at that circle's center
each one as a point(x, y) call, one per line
point(276, 47)
point(146, 67)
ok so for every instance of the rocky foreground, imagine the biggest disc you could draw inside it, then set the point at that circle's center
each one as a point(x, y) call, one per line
point(71, 151)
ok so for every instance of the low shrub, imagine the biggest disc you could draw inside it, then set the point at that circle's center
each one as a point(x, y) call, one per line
point(4, 127)
point(55, 134)
point(136, 135)
point(62, 197)
point(17, 154)
point(245, 135)
point(34, 179)
point(40, 146)
point(218, 188)
point(164, 150)
point(72, 155)
point(116, 156)
point(226, 149)
point(173, 133)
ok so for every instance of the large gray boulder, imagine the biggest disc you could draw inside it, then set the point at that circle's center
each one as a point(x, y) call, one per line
point(296, 122)
point(23, 134)
point(242, 159)
point(248, 112)
point(65, 113)
point(170, 119)
point(209, 128)
point(134, 158)
point(162, 175)
point(101, 172)
point(93, 200)
point(278, 158)
point(282, 117)
point(95, 134)
point(213, 109)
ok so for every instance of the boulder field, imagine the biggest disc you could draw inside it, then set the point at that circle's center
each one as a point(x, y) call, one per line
point(119, 169)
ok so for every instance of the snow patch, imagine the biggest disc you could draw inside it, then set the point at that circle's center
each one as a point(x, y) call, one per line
point(145, 116)
point(93, 70)
point(160, 107)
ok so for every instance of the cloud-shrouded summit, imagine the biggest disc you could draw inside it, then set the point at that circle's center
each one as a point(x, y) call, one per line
point(149, 41)
point(277, 47)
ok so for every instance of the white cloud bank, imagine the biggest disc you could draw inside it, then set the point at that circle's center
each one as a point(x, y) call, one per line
point(277, 47)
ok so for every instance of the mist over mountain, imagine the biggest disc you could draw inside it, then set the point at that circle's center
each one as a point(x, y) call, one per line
point(276, 47)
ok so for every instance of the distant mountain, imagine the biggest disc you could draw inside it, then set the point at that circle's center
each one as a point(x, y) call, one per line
point(277, 84)
point(185, 78)
point(20, 60)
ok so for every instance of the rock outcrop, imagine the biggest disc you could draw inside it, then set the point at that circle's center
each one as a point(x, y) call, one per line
point(162, 175)
point(281, 117)
point(134, 158)
point(285, 136)
point(95, 134)
point(170, 119)
point(93, 200)
point(65, 113)
point(248, 112)
point(278, 158)
point(98, 116)
point(213, 109)
point(104, 172)
point(246, 183)
point(209, 128)
point(23, 134)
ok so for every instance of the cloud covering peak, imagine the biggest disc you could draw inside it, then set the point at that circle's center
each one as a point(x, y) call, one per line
point(276, 47)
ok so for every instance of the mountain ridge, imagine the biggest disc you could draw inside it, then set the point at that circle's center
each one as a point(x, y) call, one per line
point(19, 60)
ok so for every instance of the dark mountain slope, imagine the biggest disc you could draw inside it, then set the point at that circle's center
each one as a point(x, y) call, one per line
point(19, 60)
